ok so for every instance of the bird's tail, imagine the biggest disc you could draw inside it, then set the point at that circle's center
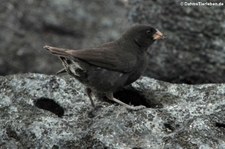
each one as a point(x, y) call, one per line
point(57, 51)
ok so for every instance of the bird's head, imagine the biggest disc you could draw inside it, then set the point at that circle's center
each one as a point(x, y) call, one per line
point(142, 35)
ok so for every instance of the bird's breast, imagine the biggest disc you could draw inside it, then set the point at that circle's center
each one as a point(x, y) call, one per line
point(105, 80)
point(139, 69)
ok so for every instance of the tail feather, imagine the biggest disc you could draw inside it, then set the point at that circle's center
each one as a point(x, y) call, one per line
point(57, 51)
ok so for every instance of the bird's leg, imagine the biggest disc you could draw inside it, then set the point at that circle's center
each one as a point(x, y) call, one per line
point(66, 66)
point(63, 70)
point(110, 97)
point(89, 93)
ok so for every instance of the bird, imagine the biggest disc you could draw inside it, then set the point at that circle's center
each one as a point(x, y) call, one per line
point(112, 65)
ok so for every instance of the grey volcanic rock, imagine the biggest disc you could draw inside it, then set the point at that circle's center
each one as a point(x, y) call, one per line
point(194, 50)
point(26, 26)
point(184, 116)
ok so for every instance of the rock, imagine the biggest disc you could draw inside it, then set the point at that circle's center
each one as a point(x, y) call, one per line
point(26, 26)
point(41, 111)
point(194, 49)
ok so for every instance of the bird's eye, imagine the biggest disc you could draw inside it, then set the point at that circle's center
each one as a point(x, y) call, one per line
point(148, 32)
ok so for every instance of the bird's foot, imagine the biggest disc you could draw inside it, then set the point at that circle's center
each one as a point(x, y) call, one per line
point(134, 107)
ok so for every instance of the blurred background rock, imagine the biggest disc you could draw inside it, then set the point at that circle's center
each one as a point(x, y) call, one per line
point(26, 26)
point(194, 51)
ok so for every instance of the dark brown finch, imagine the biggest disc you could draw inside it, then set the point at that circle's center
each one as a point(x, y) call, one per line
point(112, 65)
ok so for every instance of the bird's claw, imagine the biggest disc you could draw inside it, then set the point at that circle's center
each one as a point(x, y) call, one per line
point(135, 107)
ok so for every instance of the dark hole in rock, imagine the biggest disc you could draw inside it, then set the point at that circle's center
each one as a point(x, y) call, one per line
point(12, 134)
point(55, 147)
point(50, 105)
point(133, 97)
point(169, 127)
point(220, 125)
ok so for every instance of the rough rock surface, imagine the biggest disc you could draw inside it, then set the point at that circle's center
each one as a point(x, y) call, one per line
point(194, 50)
point(26, 26)
point(181, 116)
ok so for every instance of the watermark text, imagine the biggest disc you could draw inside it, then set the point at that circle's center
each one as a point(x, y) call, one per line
point(210, 4)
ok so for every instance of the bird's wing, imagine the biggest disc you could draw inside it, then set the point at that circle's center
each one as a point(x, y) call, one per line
point(100, 57)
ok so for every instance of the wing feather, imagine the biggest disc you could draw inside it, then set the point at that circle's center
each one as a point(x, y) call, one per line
point(106, 57)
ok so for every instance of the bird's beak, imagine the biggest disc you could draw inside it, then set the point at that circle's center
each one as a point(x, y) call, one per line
point(158, 35)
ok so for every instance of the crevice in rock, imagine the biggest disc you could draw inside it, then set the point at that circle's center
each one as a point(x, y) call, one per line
point(133, 97)
point(220, 125)
point(49, 105)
